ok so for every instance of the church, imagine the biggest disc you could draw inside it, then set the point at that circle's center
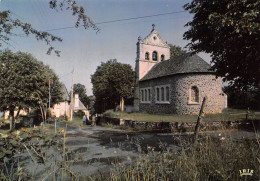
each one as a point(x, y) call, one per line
point(174, 86)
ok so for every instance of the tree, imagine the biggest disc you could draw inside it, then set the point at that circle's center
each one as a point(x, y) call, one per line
point(176, 51)
point(81, 90)
point(229, 31)
point(8, 25)
point(112, 83)
point(25, 83)
point(240, 99)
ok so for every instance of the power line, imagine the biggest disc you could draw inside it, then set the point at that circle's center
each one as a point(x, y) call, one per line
point(65, 75)
point(119, 20)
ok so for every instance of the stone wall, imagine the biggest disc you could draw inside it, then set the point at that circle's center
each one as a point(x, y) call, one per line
point(182, 126)
point(180, 86)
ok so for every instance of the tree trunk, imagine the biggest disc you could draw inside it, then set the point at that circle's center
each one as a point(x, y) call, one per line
point(122, 104)
point(42, 113)
point(45, 114)
point(18, 112)
point(12, 120)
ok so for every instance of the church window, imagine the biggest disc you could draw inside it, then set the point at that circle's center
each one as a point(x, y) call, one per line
point(145, 95)
point(162, 94)
point(157, 94)
point(167, 94)
point(194, 94)
point(149, 95)
point(146, 56)
point(162, 57)
point(155, 56)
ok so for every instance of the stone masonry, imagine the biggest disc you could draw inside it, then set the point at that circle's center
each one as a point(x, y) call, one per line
point(180, 86)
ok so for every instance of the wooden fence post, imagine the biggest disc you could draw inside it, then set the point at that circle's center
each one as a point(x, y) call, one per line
point(201, 114)
point(247, 114)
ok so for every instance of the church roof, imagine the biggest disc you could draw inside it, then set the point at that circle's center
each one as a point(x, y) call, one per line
point(178, 65)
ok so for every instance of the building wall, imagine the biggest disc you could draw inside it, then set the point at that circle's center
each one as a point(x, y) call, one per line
point(180, 87)
point(153, 42)
point(145, 65)
point(21, 113)
point(61, 109)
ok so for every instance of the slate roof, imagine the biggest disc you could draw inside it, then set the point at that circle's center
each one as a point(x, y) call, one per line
point(178, 65)
point(81, 106)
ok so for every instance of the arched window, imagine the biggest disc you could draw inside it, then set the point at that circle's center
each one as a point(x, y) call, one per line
point(146, 56)
point(194, 94)
point(155, 56)
point(162, 57)
point(142, 95)
point(167, 94)
point(149, 93)
point(162, 93)
point(157, 94)
point(145, 93)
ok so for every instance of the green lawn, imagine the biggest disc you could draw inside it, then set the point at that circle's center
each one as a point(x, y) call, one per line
point(227, 115)
point(77, 121)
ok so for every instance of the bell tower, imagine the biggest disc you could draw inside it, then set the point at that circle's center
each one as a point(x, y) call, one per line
point(150, 51)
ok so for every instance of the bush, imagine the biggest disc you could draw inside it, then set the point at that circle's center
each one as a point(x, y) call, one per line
point(78, 114)
point(109, 113)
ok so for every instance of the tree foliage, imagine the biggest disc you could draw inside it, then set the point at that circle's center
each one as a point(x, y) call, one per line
point(9, 25)
point(81, 90)
point(240, 99)
point(78, 11)
point(111, 81)
point(24, 83)
point(229, 31)
point(176, 51)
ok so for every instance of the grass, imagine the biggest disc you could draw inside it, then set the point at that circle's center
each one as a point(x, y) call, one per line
point(227, 115)
point(209, 159)
point(77, 121)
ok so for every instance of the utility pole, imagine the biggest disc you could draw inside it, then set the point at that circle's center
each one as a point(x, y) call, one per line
point(71, 98)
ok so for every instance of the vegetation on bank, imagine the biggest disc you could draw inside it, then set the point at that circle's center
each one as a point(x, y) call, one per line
point(44, 145)
point(209, 159)
point(227, 115)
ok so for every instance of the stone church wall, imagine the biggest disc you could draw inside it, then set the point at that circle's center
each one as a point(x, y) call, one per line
point(180, 86)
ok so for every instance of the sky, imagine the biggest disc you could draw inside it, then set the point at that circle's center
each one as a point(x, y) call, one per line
point(84, 49)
